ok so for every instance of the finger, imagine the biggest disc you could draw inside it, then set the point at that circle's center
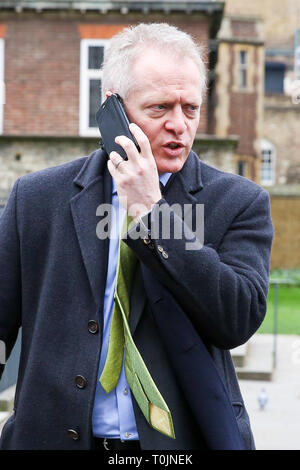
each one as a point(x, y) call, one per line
point(112, 169)
point(141, 138)
point(116, 159)
point(128, 146)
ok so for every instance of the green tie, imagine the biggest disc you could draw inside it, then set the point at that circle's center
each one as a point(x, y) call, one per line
point(139, 379)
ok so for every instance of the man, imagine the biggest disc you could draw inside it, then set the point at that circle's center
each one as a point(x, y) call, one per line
point(194, 296)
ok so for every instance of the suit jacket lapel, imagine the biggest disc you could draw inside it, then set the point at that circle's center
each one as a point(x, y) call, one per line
point(95, 189)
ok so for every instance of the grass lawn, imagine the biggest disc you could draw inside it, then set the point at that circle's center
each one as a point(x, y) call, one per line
point(288, 311)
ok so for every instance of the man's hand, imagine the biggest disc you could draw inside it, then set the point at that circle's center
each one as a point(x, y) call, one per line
point(136, 179)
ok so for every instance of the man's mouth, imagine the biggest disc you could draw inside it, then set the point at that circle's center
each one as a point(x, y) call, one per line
point(174, 145)
point(173, 149)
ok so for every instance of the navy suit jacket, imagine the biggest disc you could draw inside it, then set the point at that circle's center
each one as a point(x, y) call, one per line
point(204, 302)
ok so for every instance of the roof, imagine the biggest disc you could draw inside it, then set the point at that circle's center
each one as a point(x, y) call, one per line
point(209, 6)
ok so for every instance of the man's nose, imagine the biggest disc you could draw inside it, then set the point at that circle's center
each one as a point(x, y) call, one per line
point(176, 122)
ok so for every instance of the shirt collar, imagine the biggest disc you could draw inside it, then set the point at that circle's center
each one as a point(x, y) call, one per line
point(163, 178)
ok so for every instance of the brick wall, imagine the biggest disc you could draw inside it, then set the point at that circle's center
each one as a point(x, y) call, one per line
point(244, 104)
point(242, 112)
point(245, 29)
point(41, 76)
point(42, 65)
point(239, 109)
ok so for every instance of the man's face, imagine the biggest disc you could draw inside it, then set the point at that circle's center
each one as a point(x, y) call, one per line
point(165, 104)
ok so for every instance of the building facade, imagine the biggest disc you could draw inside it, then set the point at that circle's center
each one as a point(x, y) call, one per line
point(50, 77)
point(50, 60)
point(280, 159)
point(239, 90)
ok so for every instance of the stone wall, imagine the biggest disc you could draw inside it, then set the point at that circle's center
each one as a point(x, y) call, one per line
point(216, 151)
point(281, 127)
point(281, 18)
point(285, 209)
point(21, 155)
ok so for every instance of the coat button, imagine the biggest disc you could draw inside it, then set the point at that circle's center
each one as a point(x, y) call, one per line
point(73, 434)
point(80, 381)
point(93, 326)
point(146, 240)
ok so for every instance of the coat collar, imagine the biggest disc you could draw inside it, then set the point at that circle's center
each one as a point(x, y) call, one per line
point(191, 174)
point(93, 168)
point(183, 186)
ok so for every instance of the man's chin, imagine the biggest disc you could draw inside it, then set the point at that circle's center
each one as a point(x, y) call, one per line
point(172, 166)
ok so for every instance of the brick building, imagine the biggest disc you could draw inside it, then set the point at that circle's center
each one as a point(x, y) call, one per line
point(280, 142)
point(237, 102)
point(280, 161)
point(50, 58)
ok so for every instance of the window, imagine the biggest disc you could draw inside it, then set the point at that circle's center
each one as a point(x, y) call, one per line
point(242, 167)
point(243, 62)
point(247, 61)
point(91, 59)
point(274, 77)
point(2, 84)
point(267, 177)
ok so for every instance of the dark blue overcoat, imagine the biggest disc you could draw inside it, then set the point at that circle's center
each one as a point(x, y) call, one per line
point(203, 301)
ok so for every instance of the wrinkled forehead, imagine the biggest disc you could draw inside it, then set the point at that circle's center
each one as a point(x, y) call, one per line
point(159, 73)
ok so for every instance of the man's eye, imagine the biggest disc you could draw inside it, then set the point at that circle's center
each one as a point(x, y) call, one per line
point(193, 108)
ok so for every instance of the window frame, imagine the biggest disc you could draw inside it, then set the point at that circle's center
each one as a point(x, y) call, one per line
point(243, 69)
point(86, 75)
point(269, 147)
point(248, 67)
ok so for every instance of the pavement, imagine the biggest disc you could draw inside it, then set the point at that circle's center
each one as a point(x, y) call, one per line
point(277, 426)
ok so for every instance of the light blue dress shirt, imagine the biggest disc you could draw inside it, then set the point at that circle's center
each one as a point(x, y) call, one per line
point(113, 415)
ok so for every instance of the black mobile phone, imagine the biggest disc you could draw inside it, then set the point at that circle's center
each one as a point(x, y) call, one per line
point(112, 121)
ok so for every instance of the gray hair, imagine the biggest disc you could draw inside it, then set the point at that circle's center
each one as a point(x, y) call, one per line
point(130, 43)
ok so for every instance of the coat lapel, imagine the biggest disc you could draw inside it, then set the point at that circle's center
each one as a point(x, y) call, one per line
point(94, 183)
point(194, 368)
